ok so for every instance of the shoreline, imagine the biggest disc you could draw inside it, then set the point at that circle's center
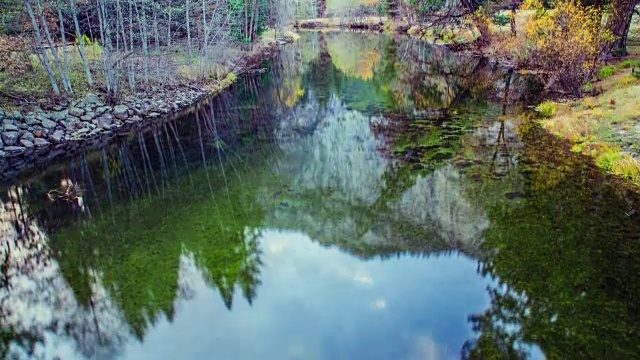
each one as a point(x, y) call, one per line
point(38, 137)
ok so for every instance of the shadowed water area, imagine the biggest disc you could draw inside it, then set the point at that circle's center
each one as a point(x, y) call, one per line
point(366, 197)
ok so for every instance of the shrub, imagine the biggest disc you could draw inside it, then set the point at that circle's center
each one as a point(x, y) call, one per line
point(547, 109)
point(567, 43)
point(531, 4)
point(606, 72)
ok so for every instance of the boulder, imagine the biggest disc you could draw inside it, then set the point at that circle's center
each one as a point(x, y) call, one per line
point(57, 136)
point(154, 115)
point(92, 99)
point(59, 115)
point(105, 121)
point(101, 110)
point(27, 136)
point(32, 120)
point(88, 116)
point(10, 138)
point(48, 124)
point(74, 111)
point(26, 143)
point(81, 132)
point(121, 112)
point(16, 115)
point(40, 142)
point(13, 149)
point(10, 128)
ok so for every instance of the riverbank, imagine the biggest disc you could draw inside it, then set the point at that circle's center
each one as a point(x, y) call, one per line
point(606, 124)
point(42, 131)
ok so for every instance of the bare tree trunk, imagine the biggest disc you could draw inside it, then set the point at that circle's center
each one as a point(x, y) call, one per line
point(132, 64)
point(54, 52)
point(619, 23)
point(168, 60)
point(246, 18)
point(45, 57)
point(205, 45)
point(189, 49)
point(157, 40)
point(110, 72)
point(142, 26)
point(254, 18)
point(120, 27)
point(64, 40)
point(83, 52)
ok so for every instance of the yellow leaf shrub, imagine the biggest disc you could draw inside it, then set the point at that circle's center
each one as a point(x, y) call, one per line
point(568, 43)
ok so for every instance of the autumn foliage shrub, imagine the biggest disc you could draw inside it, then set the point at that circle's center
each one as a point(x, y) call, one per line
point(567, 44)
point(13, 55)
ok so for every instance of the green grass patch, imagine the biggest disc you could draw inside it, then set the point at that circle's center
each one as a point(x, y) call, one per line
point(631, 63)
point(607, 71)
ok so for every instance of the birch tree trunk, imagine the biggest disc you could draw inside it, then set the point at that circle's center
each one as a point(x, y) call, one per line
point(83, 52)
point(45, 57)
point(64, 40)
point(205, 45)
point(142, 26)
point(132, 73)
point(189, 49)
point(54, 52)
point(168, 58)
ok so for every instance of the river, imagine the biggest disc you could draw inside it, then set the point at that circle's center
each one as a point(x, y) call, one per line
point(364, 197)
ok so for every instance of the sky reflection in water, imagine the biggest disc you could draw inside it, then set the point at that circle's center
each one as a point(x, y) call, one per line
point(320, 303)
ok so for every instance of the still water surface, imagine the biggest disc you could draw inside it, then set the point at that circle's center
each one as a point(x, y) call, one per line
point(368, 197)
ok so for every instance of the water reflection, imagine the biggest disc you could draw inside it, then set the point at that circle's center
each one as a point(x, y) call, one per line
point(342, 205)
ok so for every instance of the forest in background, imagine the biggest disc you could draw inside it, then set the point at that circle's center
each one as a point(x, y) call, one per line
point(68, 47)
point(71, 46)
